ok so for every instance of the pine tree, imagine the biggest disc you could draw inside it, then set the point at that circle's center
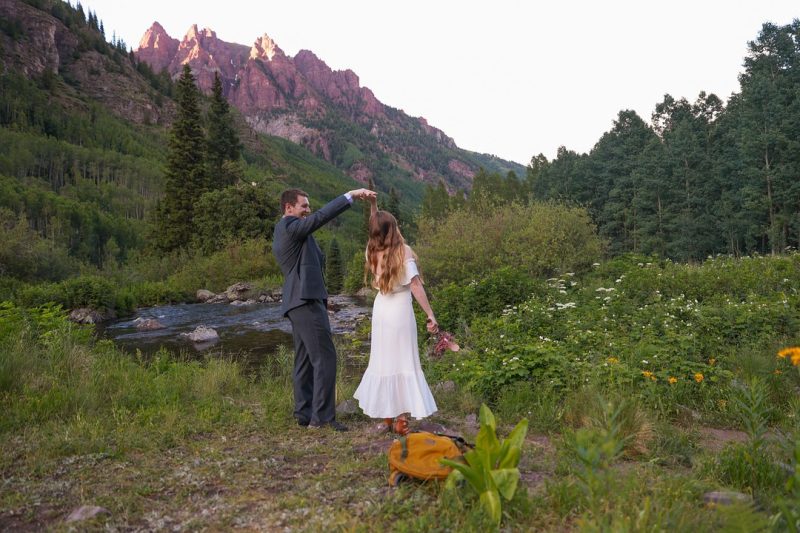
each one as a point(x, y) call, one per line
point(393, 206)
point(436, 202)
point(223, 141)
point(334, 268)
point(185, 179)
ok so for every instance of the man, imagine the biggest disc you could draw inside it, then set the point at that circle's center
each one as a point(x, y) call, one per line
point(305, 303)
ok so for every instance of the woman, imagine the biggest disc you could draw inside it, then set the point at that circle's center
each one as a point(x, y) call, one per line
point(393, 386)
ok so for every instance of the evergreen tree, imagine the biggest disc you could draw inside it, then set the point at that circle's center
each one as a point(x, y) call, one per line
point(185, 173)
point(768, 115)
point(223, 141)
point(393, 206)
point(436, 202)
point(614, 159)
point(334, 268)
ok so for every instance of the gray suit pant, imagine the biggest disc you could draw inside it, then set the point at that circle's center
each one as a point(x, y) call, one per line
point(314, 375)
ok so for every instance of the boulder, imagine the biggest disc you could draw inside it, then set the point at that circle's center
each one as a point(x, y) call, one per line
point(202, 334)
point(220, 298)
point(364, 292)
point(238, 291)
point(85, 315)
point(444, 386)
point(203, 295)
point(348, 407)
point(238, 303)
point(148, 324)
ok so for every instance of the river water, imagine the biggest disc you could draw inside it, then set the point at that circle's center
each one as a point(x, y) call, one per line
point(249, 332)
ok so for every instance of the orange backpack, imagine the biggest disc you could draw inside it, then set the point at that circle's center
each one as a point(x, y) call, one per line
point(417, 456)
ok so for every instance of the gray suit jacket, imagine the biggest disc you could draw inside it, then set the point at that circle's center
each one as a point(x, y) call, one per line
point(299, 255)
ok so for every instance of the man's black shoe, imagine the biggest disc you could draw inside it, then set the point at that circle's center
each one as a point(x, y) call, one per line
point(302, 423)
point(333, 424)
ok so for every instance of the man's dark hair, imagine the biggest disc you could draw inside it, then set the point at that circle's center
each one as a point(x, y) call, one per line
point(289, 196)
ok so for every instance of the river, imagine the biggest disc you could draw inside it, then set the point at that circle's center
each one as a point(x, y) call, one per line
point(248, 332)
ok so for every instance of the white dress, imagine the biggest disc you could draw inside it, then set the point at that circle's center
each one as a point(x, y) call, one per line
point(393, 383)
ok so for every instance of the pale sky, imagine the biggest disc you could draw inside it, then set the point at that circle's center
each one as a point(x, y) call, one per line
point(515, 79)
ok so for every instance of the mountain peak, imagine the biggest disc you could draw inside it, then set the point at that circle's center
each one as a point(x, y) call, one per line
point(193, 34)
point(156, 47)
point(264, 48)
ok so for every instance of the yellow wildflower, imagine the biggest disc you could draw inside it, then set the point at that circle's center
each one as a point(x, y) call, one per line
point(698, 377)
point(792, 353)
point(712, 361)
point(672, 380)
point(612, 360)
point(796, 358)
point(648, 375)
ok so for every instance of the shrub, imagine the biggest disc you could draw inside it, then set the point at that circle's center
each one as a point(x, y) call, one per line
point(587, 408)
point(25, 255)
point(236, 212)
point(539, 239)
point(239, 260)
point(457, 304)
point(84, 291)
point(354, 274)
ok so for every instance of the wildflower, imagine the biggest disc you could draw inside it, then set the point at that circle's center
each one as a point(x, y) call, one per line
point(612, 360)
point(672, 380)
point(793, 353)
point(777, 372)
point(648, 375)
point(722, 404)
point(698, 377)
point(712, 361)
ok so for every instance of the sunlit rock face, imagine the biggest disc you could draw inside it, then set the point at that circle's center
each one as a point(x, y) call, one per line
point(283, 95)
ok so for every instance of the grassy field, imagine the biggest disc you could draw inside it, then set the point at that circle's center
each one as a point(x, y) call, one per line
point(166, 443)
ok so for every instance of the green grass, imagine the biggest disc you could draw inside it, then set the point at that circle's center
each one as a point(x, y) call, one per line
point(169, 442)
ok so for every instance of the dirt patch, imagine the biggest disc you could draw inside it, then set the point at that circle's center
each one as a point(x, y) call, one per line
point(714, 439)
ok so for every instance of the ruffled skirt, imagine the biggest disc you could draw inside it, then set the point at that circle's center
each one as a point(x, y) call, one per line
point(393, 383)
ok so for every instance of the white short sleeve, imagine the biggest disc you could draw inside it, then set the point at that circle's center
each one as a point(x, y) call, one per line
point(411, 271)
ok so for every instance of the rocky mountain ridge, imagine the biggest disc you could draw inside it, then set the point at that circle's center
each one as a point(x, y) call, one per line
point(302, 99)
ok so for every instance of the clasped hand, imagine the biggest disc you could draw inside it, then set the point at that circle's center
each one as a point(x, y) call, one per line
point(363, 194)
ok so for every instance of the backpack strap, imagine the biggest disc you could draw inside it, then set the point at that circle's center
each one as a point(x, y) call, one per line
point(404, 445)
point(458, 440)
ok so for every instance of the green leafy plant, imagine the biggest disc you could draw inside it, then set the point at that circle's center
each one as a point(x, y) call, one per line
point(789, 506)
point(595, 448)
point(491, 468)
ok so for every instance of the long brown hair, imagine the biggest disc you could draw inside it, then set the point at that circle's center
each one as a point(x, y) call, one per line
point(385, 236)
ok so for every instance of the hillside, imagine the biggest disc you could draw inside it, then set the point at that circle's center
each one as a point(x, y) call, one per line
point(83, 129)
